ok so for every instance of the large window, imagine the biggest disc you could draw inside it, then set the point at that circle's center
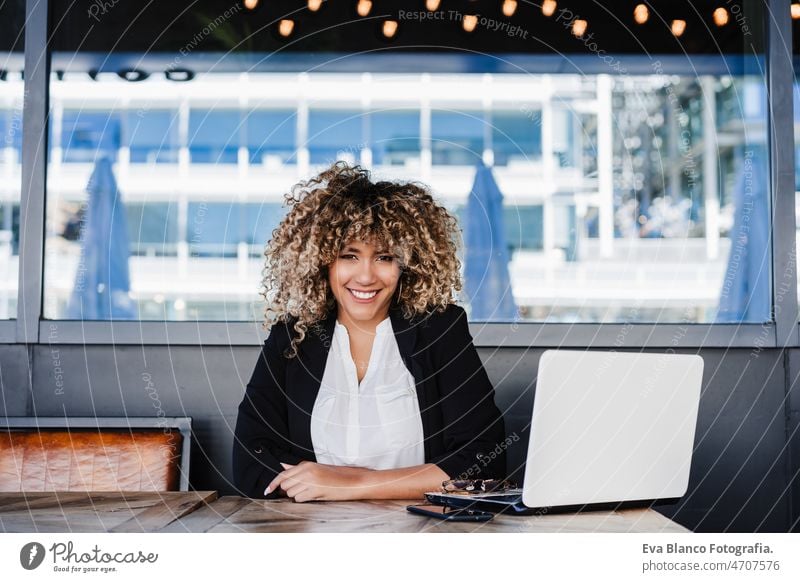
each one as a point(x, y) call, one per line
point(335, 135)
point(12, 16)
point(214, 136)
point(153, 136)
point(395, 137)
point(87, 134)
point(634, 187)
point(457, 137)
point(271, 136)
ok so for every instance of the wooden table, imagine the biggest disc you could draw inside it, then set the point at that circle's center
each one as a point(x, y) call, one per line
point(96, 511)
point(203, 511)
point(235, 514)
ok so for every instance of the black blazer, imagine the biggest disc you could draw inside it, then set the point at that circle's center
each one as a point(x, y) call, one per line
point(464, 430)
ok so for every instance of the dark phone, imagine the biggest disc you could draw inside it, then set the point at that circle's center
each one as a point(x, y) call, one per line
point(449, 513)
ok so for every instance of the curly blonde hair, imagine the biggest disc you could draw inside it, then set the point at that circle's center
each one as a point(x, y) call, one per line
point(342, 205)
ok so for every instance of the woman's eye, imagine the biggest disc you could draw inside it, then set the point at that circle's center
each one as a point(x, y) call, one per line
point(347, 257)
point(386, 257)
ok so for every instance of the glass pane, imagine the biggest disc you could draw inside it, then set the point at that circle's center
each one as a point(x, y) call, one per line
point(12, 18)
point(517, 138)
point(796, 107)
point(213, 136)
point(153, 136)
point(271, 137)
point(87, 135)
point(334, 135)
point(153, 227)
point(457, 137)
point(634, 188)
point(395, 137)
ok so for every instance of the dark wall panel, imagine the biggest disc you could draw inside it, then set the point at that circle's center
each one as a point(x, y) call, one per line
point(14, 380)
point(793, 434)
point(739, 472)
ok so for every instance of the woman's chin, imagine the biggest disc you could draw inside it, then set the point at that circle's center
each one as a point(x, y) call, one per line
point(364, 311)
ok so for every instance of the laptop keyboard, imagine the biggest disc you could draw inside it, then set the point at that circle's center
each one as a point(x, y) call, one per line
point(510, 495)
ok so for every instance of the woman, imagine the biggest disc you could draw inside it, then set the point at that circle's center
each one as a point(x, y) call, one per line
point(368, 385)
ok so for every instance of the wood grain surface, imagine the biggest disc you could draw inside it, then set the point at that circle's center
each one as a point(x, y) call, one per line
point(234, 514)
point(202, 511)
point(97, 511)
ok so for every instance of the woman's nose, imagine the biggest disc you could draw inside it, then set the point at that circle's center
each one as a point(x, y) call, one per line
point(366, 272)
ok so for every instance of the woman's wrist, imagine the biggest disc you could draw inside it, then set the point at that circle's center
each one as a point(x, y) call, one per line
point(364, 478)
point(407, 483)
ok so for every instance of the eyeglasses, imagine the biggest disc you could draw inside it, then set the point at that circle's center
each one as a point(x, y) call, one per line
point(472, 486)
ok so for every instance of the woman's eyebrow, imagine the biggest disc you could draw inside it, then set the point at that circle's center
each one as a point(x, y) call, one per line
point(355, 250)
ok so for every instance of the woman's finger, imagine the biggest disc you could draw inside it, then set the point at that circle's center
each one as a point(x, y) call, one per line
point(275, 483)
point(296, 490)
point(293, 470)
point(305, 495)
point(288, 483)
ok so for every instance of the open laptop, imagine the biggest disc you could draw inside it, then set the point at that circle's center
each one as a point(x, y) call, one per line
point(609, 430)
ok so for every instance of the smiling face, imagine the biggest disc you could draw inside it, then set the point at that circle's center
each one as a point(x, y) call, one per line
point(363, 279)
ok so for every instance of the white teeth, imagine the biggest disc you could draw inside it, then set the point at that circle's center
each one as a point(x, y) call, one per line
point(361, 295)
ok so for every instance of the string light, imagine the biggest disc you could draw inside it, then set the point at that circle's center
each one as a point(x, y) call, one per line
point(389, 28)
point(469, 22)
point(313, 5)
point(579, 27)
point(721, 17)
point(363, 8)
point(285, 27)
point(641, 13)
point(795, 10)
point(678, 27)
point(509, 7)
point(549, 7)
point(432, 5)
point(250, 4)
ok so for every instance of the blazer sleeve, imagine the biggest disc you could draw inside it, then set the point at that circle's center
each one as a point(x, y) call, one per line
point(473, 426)
point(261, 438)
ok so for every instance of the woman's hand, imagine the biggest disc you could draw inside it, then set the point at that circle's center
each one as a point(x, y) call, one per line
point(308, 481)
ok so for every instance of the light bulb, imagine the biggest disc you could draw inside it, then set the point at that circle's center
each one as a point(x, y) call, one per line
point(389, 28)
point(509, 7)
point(641, 13)
point(469, 22)
point(285, 27)
point(363, 7)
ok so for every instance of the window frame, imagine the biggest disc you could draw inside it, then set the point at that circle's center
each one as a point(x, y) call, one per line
point(30, 328)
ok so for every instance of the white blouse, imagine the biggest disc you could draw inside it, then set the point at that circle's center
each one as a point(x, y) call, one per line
point(376, 423)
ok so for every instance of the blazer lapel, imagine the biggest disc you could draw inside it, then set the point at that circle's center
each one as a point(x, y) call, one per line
point(405, 333)
point(305, 379)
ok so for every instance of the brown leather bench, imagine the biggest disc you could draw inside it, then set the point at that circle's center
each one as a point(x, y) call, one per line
point(94, 454)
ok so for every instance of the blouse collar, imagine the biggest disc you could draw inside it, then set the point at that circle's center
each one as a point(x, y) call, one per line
point(383, 328)
point(317, 342)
